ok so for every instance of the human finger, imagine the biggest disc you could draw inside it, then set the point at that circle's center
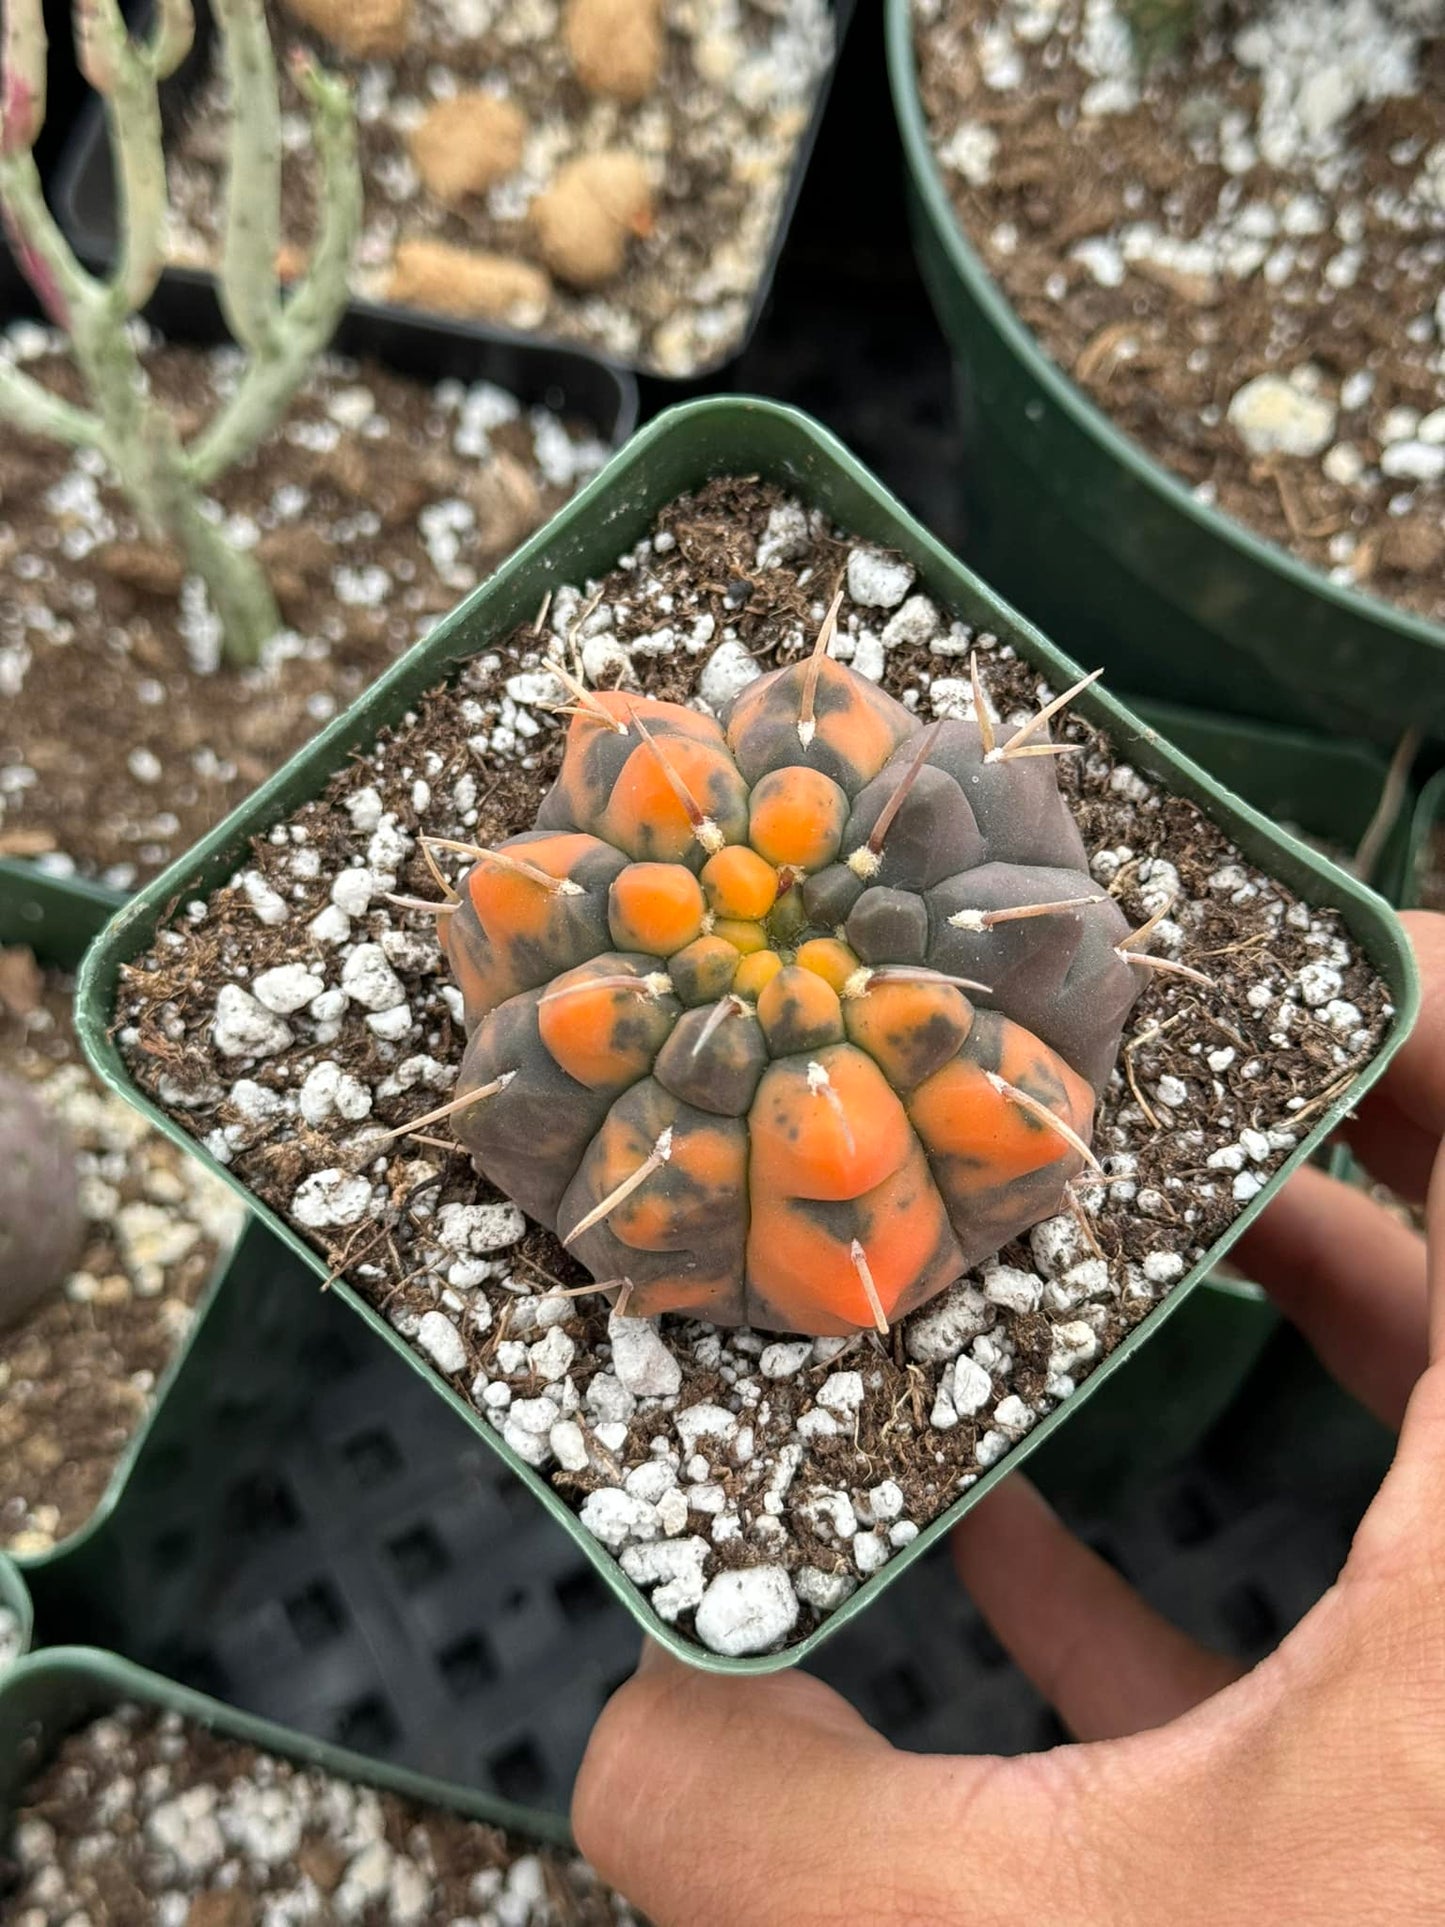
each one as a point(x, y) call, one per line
point(749, 1802)
point(1102, 1657)
point(1351, 1276)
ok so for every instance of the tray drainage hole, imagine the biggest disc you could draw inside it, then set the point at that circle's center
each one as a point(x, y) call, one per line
point(316, 1614)
point(261, 1506)
point(519, 1772)
point(170, 1551)
point(581, 1595)
point(367, 1726)
point(897, 1695)
point(419, 1557)
point(1189, 1518)
point(467, 1666)
point(371, 1457)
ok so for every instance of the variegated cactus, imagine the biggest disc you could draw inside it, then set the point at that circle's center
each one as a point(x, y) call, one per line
point(789, 1020)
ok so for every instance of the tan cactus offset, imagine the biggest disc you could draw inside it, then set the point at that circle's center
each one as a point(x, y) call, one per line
point(788, 1020)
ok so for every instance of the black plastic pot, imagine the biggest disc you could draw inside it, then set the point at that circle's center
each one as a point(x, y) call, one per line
point(85, 202)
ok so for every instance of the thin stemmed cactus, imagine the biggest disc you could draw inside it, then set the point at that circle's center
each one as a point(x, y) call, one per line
point(166, 479)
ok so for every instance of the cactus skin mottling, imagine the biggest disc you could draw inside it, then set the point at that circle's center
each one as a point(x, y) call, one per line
point(41, 1227)
point(705, 1079)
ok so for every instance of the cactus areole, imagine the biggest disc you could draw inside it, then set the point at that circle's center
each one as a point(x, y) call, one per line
point(790, 1019)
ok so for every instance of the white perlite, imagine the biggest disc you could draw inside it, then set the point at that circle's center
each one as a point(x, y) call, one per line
point(750, 1611)
point(641, 1360)
point(243, 1028)
point(328, 1199)
point(1277, 417)
point(439, 1338)
point(876, 580)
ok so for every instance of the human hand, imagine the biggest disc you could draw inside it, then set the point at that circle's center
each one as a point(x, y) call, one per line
point(1309, 1790)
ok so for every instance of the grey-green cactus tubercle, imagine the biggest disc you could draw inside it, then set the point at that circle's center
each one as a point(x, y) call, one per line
point(166, 479)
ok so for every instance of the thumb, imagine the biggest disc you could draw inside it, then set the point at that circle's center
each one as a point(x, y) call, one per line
point(753, 1802)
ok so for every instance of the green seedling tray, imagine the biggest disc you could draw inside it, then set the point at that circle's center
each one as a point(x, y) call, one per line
point(57, 918)
point(1429, 816)
point(14, 1598)
point(677, 452)
point(49, 1694)
point(1102, 543)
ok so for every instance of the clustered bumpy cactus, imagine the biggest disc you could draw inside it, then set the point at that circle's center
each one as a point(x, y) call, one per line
point(791, 1021)
point(165, 479)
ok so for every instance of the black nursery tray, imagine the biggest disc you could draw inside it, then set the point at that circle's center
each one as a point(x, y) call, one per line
point(86, 204)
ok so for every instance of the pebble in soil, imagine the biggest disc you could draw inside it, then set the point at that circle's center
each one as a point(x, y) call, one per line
point(77, 1372)
point(1239, 252)
point(375, 507)
point(143, 1816)
point(747, 1482)
point(493, 138)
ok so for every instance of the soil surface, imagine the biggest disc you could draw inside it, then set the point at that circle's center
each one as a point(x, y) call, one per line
point(77, 1373)
point(1268, 205)
point(718, 135)
point(147, 1818)
point(813, 1461)
point(376, 506)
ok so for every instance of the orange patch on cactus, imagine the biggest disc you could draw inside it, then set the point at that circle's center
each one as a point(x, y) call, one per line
point(738, 883)
point(745, 938)
point(909, 1029)
point(829, 959)
point(801, 1261)
point(799, 1011)
point(827, 1126)
point(599, 1032)
point(702, 971)
point(646, 817)
point(756, 972)
point(990, 1140)
point(797, 817)
point(655, 907)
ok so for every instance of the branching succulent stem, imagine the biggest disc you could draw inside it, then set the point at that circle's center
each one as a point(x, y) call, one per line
point(164, 479)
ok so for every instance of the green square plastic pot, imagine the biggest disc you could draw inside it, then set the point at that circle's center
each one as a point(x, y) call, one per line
point(1429, 817)
point(1098, 540)
point(15, 1600)
point(1187, 1378)
point(51, 1693)
point(677, 452)
point(57, 918)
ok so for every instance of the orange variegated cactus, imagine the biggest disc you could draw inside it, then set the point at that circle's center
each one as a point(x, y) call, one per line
point(788, 1021)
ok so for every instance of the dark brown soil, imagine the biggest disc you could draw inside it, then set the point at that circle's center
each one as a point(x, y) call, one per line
point(76, 1375)
point(721, 167)
point(1165, 350)
point(139, 1812)
point(115, 753)
point(1275, 1063)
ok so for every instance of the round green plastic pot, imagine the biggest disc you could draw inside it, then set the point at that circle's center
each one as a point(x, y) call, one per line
point(15, 1600)
point(1096, 539)
point(1429, 817)
point(678, 452)
point(57, 918)
point(50, 1694)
